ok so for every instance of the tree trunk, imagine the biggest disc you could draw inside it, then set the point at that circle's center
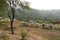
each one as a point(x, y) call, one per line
point(12, 20)
point(11, 23)
point(12, 31)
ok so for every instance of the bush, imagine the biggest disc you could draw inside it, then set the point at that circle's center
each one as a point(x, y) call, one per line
point(23, 35)
point(4, 36)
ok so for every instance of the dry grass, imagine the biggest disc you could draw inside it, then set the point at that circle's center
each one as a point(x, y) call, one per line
point(39, 33)
point(48, 34)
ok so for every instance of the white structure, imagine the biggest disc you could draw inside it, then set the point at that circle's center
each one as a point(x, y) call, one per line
point(47, 25)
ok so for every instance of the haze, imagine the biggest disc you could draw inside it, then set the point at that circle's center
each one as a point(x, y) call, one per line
point(44, 4)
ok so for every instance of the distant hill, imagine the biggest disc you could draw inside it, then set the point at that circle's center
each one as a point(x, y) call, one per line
point(40, 14)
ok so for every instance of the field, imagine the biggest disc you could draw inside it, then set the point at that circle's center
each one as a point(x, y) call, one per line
point(32, 33)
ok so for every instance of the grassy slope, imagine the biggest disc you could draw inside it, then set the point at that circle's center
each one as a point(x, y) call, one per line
point(48, 34)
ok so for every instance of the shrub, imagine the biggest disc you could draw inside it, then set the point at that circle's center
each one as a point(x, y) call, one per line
point(23, 35)
point(4, 36)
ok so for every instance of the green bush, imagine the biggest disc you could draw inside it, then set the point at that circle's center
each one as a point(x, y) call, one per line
point(23, 35)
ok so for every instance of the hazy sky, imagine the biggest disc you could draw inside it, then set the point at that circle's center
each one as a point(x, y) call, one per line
point(44, 4)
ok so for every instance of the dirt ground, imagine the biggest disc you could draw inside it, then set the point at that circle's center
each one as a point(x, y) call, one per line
point(32, 33)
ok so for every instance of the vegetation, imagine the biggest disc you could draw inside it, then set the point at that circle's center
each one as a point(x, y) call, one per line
point(23, 35)
point(17, 12)
point(4, 36)
point(11, 9)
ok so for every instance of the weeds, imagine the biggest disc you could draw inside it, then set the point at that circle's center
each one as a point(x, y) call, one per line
point(23, 35)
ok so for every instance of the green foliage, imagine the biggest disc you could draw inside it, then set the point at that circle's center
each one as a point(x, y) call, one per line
point(56, 27)
point(6, 6)
point(3, 5)
point(4, 36)
point(23, 35)
point(1, 23)
point(25, 5)
point(48, 22)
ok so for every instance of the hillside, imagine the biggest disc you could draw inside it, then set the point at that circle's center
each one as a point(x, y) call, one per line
point(40, 14)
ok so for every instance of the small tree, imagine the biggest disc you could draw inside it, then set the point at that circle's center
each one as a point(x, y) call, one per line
point(12, 5)
point(36, 19)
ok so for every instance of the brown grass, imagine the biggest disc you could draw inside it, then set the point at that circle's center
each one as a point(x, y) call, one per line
point(39, 33)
